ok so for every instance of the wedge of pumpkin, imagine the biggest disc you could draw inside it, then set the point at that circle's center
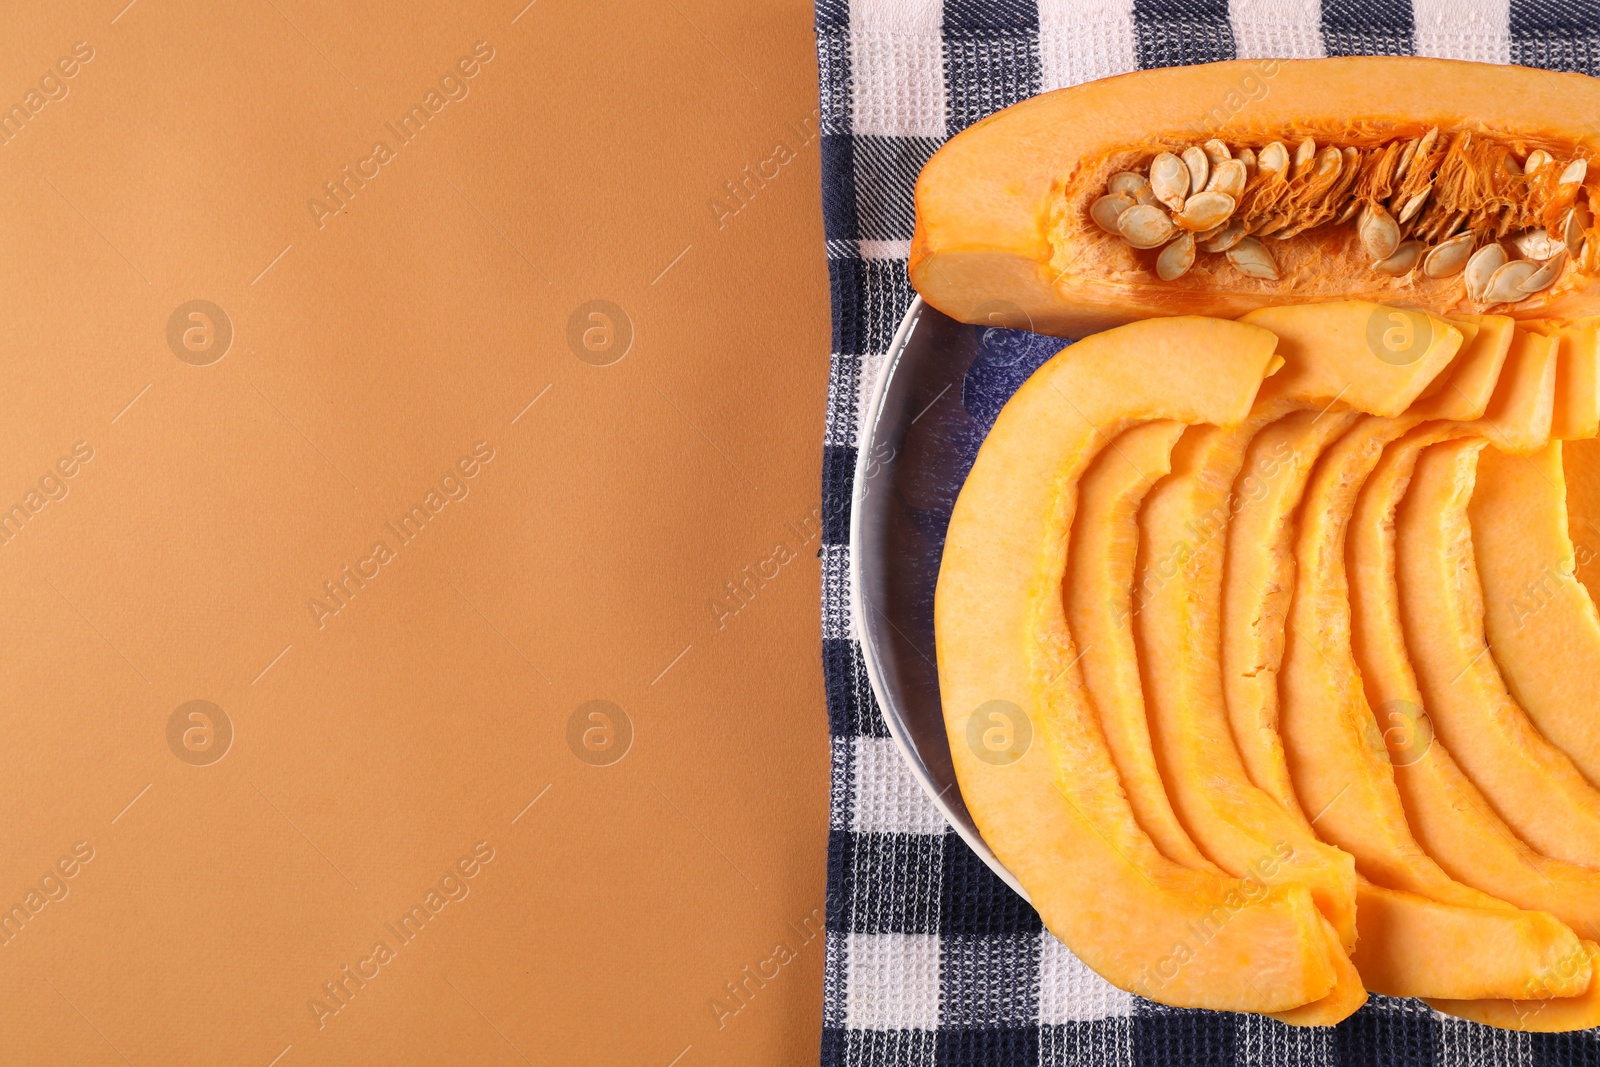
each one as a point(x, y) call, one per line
point(1053, 808)
point(1446, 812)
point(1259, 575)
point(1530, 784)
point(1538, 618)
point(1099, 605)
point(1333, 164)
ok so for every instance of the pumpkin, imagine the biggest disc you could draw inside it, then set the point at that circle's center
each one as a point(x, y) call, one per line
point(1446, 185)
point(1446, 812)
point(1099, 605)
point(1538, 618)
point(1045, 794)
point(1531, 784)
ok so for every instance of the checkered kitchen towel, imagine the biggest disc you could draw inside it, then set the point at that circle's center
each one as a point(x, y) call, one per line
point(930, 958)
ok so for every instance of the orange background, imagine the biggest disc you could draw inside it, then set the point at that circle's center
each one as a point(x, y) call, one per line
point(374, 344)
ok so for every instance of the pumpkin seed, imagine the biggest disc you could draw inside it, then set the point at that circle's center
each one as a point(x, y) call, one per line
point(1380, 234)
point(1425, 146)
point(1348, 213)
point(1227, 177)
point(1578, 221)
point(1274, 158)
point(1406, 155)
point(1143, 226)
point(1247, 156)
point(1537, 244)
point(1480, 268)
point(1545, 276)
point(1304, 153)
point(1205, 210)
point(1575, 172)
point(1169, 180)
point(1448, 259)
point(1413, 206)
point(1216, 151)
point(1252, 259)
point(1108, 209)
point(1127, 183)
point(1536, 159)
point(1404, 260)
point(1225, 238)
point(1176, 259)
point(1505, 284)
point(1146, 196)
point(1199, 168)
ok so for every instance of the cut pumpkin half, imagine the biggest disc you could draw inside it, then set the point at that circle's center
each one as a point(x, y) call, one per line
point(1377, 178)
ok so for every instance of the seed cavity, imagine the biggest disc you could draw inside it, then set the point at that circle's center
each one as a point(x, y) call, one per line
point(1433, 207)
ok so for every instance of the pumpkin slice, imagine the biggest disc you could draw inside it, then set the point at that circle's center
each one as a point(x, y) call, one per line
point(1446, 812)
point(1577, 411)
point(1518, 419)
point(1538, 618)
point(1338, 762)
point(1328, 359)
point(1580, 461)
point(1550, 1015)
point(1028, 750)
point(1258, 578)
point(1411, 946)
point(1534, 787)
point(1334, 162)
point(1099, 594)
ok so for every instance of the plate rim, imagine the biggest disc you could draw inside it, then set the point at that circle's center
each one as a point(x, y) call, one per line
point(866, 442)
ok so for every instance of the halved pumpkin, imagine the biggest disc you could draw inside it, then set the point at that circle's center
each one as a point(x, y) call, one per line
point(1006, 229)
point(1446, 812)
point(1539, 619)
point(1053, 808)
point(1534, 787)
point(1099, 595)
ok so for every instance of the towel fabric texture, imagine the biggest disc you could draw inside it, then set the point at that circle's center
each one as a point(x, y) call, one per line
point(931, 959)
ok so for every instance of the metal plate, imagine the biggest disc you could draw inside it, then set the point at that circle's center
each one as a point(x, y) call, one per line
point(942, 385)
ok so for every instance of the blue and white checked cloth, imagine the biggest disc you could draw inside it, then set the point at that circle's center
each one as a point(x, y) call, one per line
point(930, 958)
